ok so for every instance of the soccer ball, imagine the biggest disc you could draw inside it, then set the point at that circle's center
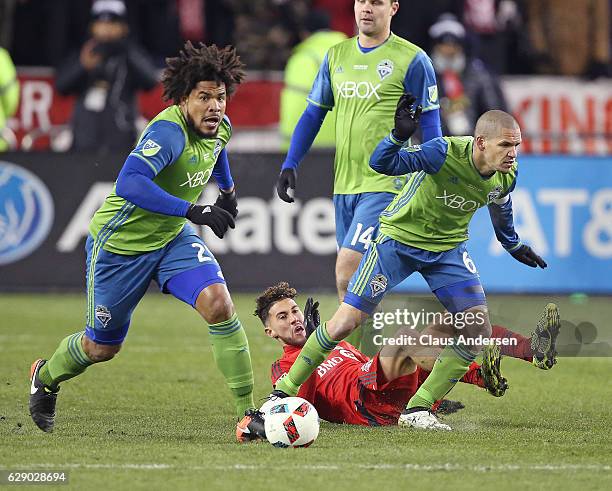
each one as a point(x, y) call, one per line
point(290, 422)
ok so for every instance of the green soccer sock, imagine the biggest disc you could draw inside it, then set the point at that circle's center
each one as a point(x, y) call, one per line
point(354, 338)
point(68, 361)
point(316, 349)
point(231, 351)
point(367, 345)
point(452, 364)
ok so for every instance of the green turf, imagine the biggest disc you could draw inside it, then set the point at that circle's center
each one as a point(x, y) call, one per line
point(157, 417)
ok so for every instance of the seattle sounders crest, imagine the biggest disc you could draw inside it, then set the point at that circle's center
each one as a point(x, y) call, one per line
point(384, 69)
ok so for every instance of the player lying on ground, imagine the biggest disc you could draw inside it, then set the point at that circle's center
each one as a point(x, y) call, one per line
point(350, 388)
point(424, 229)
point(140, 233)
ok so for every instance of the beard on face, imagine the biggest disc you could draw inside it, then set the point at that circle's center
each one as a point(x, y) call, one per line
point(192, 126)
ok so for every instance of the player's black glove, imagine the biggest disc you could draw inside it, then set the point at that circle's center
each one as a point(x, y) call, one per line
point(526, 255)
point(312, 317)
point(406, 117)
point(228, 202)
point(216, 218)
point(286, 179)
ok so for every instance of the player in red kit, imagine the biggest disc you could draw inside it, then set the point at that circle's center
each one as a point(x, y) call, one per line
point(348, 387)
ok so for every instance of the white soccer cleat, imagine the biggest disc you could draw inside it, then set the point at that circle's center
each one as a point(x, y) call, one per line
point(423, 420)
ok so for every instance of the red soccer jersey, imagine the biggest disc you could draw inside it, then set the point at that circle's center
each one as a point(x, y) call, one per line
point(348, 387)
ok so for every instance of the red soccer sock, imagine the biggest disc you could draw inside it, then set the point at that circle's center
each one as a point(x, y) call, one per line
point(472, 376)
point(520, 349)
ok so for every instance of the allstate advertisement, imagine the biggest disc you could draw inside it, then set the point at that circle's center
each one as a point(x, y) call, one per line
point(563, 210)
point(26, 212)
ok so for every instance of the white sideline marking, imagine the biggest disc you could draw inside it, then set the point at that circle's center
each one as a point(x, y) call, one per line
point(406, 467)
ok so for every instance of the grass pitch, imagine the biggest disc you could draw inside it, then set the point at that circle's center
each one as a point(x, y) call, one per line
point(159, 417)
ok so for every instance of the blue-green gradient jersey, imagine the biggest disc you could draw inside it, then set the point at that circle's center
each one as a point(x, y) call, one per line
point(445, 189)
point(363, 88)
point(182, 162)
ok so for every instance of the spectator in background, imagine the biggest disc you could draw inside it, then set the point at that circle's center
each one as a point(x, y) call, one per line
point(105, 76)
point(9, 98)
point(489, 24)
point(467, 88)
point(403, 23)
point(341, 14)
point(300, 72)
point(569, 37)
point(266, 31)
point(7, 10)
point(155, 25)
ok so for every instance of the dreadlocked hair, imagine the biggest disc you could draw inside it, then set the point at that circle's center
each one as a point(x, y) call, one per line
point(274, 294)
point(201, 63)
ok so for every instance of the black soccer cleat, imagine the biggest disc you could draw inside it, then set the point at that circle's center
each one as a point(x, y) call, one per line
point(277, 394)
point(42, 400)
point(491, 372)
point(544, 338)
point(251, 428)
point(446, 406)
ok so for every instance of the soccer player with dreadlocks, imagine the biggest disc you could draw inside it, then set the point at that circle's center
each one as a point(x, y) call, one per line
point(141, 232)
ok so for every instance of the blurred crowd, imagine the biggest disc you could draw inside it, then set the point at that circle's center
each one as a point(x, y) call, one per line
point(565, 37)
point(105, 51)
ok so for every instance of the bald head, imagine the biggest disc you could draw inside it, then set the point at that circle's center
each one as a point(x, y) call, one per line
point(491, 124)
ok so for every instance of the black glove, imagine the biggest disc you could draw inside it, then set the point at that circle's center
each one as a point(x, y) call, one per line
point(526, 255)
point(216, 218)
point(406, 118)
point(312, 317)
point(286, 179)
point(228, 202)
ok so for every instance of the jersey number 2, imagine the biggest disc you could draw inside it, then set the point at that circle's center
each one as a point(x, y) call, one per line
point(202, 257)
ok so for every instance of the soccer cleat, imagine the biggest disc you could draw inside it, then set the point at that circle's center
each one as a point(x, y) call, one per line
point(42, 400)
point(491, 373)
point(277, 394)
point(446, 406)
point(251, 428)
point(423, 419)
point(544, 338)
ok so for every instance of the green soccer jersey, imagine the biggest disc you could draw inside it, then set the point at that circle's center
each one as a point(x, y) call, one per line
point(445, 189)
point(182, 163)
point(363, 88)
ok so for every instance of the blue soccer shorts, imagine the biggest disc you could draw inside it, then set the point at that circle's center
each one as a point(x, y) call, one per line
point(117, 282)
point(357, 218)
point(451, 275)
